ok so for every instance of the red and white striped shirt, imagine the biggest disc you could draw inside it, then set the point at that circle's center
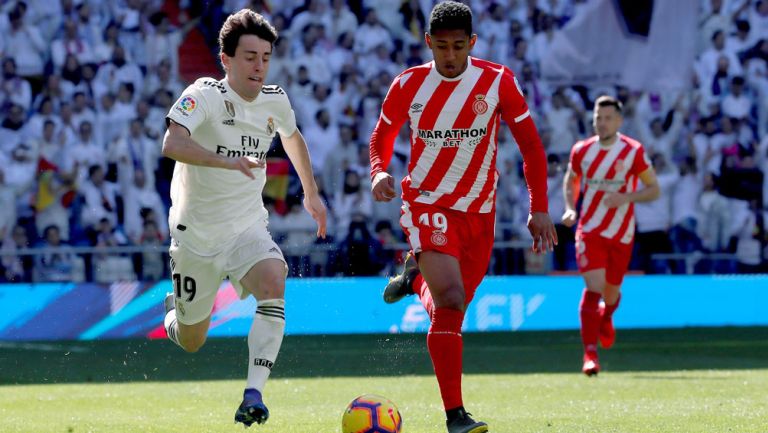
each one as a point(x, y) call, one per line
point(454, 135)
point(604, 169)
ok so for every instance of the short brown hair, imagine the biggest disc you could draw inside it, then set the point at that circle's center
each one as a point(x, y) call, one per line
point(244, 22)
point(609, 101)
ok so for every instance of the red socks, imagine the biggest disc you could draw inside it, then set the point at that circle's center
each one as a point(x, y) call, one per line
point(609, 309)
point(590, 320)
point(445, 348)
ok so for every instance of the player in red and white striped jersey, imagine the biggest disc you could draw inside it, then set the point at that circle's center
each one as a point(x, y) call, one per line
point(608, 166)
point(454, 104)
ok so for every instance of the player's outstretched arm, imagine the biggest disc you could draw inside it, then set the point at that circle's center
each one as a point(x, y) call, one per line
point(296, 148)
point(570, 193)
point(179, 146)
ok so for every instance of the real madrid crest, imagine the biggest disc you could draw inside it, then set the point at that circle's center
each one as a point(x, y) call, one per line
point(479, 106)
point(270, 126)
point(230, 108)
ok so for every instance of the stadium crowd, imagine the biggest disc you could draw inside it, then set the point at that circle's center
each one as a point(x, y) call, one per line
point(86, 85)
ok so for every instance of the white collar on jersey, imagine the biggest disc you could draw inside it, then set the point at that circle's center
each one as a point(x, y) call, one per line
point(615, 140)
point(237, 96)
point(456, 78)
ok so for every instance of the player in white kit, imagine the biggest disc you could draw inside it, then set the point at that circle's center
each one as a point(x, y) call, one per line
point(219, 133)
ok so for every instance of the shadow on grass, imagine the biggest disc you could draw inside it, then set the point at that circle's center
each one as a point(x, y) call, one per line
point(379, 355)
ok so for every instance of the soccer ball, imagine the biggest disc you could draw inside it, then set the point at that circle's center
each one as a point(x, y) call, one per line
point(371, 414)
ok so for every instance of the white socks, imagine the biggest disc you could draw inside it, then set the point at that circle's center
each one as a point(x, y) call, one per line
point(172, 327)
point(264, 340)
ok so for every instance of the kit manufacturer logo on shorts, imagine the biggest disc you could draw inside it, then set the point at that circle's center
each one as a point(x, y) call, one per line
point(438, 238)
point(270, 126)
point(180, 307)
point(186, 106)
point(479, 106)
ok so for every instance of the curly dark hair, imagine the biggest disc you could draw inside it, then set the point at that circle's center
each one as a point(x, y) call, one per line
point(450, 15)
point(244, 22)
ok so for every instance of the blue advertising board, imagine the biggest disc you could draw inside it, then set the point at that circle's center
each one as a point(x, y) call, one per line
point(354, 305)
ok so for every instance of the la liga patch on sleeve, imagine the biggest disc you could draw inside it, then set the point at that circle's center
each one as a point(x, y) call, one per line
point(186, 105)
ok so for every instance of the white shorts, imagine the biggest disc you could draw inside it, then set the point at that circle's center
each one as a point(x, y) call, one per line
point(196, 279)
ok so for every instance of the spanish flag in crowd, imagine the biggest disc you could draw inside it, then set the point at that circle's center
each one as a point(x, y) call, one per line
point(276, 187)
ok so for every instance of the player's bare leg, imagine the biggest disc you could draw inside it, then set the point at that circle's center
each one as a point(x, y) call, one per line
point(589, 313)
point(444, 341)
point(189, 337)
point(266, 281)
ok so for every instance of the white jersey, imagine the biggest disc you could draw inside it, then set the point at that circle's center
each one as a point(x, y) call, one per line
point(211, 206)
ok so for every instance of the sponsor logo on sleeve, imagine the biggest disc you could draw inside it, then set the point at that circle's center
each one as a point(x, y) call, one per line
point(186, 106)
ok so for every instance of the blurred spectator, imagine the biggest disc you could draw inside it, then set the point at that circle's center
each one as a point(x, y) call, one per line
point(140, 197)
point(35, 127)
point(654, 219)
point(53, 91)
point(112, 74)
point(152, 264)
point(392, 256)
point(16, 268)
point(100, 200)
point(164, 79)
point(81, 110)
point(7, 195)
point(359, 252)
point(20, 171)
point(134, 151)
point(342, 20)
point(12, 129)
point(563, 255)
point(736, 104)
point(54, 266)
point(371, 34)
point(71, 43)
point(14, 90)
point(748, 235)
point(316, 13)
point(86, 152)
point(25, 44)
point(340, 159)
point(323, 137)
point(496, 30)
point(108, 266)
point(562, 120)
point(714, 214)
point(684, 218)
point(352, 203)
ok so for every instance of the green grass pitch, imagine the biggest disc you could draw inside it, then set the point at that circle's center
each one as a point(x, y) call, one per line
point(684, 380)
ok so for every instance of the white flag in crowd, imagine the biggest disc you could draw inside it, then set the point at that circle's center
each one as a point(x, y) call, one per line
point(641, 44)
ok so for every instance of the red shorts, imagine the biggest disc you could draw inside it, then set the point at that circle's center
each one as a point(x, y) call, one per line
point(466, 236)
point(597, 252)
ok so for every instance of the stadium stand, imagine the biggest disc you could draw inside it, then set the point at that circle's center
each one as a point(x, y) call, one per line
point(86, 84)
